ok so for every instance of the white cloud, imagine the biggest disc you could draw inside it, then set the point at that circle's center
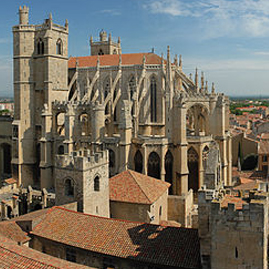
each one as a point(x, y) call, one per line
point(219, 17)
point(113, 12)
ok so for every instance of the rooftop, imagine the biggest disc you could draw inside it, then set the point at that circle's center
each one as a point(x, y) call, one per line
point(13, 231)
point(132, 187)
point(114, 59)
point(166, 246)
point(21, 257)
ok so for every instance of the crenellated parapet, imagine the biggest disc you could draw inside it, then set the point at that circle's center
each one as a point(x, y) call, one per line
point(81, 160)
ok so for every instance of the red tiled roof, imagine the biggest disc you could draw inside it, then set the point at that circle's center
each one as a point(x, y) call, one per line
point(247, 186)
point(112, 60)
point(166, 246)
point(132, 187)
point(10, 181)
point(21, 257)
point(12, 231)
point(229, 199)
point(32, 215)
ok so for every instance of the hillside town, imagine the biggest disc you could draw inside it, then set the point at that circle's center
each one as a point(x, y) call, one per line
point(121, 160)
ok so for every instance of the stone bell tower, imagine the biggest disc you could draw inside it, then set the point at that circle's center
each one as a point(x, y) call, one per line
point(40, 54)
point(105, 46)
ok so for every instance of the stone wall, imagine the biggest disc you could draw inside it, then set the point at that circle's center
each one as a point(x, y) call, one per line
point(180, 208)
point(140, 212)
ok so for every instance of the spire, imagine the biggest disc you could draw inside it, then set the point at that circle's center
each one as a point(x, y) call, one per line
point(168, 53)
point(180, 61)
point(91, 39)
point(144, 59)
point(202, 82)
point(66, 23)
point(120, 60)
point(190, 76)
point(118, 40)
point(213, 88)
point(175, 60)
point(196, 79)
point(206, 87)
point(49, 21)
point(109, 38)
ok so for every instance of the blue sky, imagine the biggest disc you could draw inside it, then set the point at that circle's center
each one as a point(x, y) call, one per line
point(227, 39)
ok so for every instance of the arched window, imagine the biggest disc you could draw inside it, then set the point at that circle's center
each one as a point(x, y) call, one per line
point(69, 187)
point(61, 150)
point(132, 87)
point(193, 166)
point(153, 100)
point(40, 46)
point(59, 47)
point(114, 51)
point(154, 165)
point(138, 160)
point(97, 183)
point(84, 124)
point(169, 169)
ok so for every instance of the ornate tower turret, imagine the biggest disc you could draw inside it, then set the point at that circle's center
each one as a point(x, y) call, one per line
point(105, 45)
point(24, 15)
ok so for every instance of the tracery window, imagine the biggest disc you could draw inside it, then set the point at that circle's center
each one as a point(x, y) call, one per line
point(40, 46)
point(153, 100)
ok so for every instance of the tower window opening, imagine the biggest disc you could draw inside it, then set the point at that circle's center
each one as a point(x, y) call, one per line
point(96, 183)
point(59, 47)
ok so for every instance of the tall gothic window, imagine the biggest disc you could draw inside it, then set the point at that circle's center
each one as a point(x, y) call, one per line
point(153, 100)
point(59, 47)
point(138, 160)
point(40, 46)
point(154, 167)
point(169, 169)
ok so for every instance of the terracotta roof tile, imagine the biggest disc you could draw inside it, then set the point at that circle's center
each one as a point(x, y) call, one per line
point(10, 181)
point(21, 257)
point(38, 214)
point(167, 246)
point(12, 231)
point(229, 199)
point(132, 187)
point(251, 185)
point(112, 60)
